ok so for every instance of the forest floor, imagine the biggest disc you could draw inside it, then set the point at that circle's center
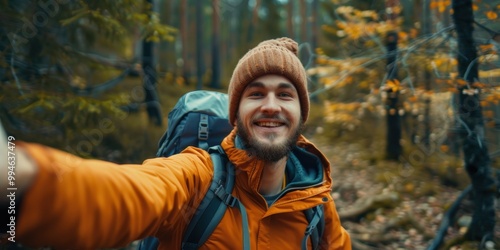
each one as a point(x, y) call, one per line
point(392, 206)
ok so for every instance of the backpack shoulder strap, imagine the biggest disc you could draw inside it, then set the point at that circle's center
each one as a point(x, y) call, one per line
point(315, 217)
point(213, 206)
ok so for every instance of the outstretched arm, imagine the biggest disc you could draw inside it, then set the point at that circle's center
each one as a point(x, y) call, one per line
point(17, 169)
point(74, 203)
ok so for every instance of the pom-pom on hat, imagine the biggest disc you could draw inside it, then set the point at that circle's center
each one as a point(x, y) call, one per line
point(276, 56)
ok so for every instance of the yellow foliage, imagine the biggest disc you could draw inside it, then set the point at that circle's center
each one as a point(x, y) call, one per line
point(491, 15)
point(364, 85)
point(461, 82)
point(341, 25)
point(438, 62)
point(180, 81)
point(321, 60)
point(370, 43)
point(357, 24)
point(342, 112)
point(444, 81)
point(413, 33)
point(479, 85)
point(440, 5)
point(489, 114)
point(393, 85)
point(490, 124)
point(489, 73)
point(489, 98)
point(328, 29)
point(403, 35)
point(344, 10)
point(441, 8)
point(349, 79)
point(485, 47)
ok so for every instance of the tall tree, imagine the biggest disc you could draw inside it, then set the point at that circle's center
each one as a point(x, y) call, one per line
point(426, 30)
point(184, 39)
point(244, 24)
point(303, 21)
point(314, 25)
point(393, 146)
point(166, 50)
point(216, 64)
point(476, 159)
point(230, 31)
point(199, 45)
point(85, 51)
point(289, 19)
point(151, 99)
point(392, 88)
point(253, 24)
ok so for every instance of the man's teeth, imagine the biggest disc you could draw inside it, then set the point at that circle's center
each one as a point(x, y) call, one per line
point(269, 124)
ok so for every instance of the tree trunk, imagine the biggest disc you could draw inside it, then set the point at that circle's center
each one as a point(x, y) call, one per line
point(289, 19)
point(476, 158)
point(393, 146)
point(243, 25)
point(427, 76)
point(199, 45)
point(216, 65)
point(303, 21)
point(408, 12)
point(253, 23)
point(184, 39)
point(314, 28)
point(153, 106)
point(314, 44)
point(166, 53)
point(234, 33)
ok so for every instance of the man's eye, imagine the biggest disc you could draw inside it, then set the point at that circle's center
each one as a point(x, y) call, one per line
point(285, 94)
point(256, 94)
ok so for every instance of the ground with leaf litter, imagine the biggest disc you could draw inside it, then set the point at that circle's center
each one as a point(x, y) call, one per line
point(392, 205)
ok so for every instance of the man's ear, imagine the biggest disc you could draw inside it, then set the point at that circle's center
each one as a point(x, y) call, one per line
point(236, 120)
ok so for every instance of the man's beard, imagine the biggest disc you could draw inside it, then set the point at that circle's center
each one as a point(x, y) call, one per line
point(264, 151)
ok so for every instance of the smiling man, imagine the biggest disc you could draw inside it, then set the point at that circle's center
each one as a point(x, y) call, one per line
point(86, 204)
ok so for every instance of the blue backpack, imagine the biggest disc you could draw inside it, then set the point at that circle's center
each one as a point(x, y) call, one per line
point(200, 119)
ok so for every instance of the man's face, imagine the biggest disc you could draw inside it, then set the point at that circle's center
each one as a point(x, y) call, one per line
point(269, 119)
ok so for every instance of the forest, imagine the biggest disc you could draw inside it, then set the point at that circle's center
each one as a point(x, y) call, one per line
point(405, 95)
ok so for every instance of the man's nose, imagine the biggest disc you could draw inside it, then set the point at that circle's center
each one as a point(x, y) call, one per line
point(270, 104)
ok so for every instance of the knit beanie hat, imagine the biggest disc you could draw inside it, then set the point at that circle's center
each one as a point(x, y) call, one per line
point(276, 56)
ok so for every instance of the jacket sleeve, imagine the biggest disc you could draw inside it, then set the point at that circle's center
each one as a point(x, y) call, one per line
point(87, 204)
point(334, 236)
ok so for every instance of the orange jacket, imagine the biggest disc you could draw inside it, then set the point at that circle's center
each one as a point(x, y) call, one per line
point(88, 204)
